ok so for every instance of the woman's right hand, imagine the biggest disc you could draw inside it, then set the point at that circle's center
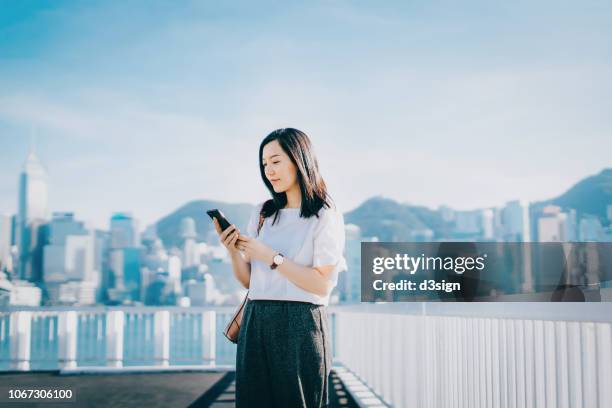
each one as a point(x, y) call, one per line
point(228, 237)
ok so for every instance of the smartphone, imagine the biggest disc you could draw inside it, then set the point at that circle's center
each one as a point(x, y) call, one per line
point(223, 222)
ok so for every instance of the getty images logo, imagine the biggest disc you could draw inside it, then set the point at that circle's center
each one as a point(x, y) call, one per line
point(413, 264)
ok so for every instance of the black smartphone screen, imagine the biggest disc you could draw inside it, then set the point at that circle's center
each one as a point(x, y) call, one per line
point(223, 222)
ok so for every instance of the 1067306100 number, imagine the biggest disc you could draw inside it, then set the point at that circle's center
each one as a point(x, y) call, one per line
point(40, 394)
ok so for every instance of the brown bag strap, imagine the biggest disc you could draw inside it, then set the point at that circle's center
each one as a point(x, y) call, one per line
point(261, 221)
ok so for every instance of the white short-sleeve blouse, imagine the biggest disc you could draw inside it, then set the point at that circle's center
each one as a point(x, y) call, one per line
point(313, 241)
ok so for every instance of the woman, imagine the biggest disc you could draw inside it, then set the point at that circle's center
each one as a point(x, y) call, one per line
point(289, 260)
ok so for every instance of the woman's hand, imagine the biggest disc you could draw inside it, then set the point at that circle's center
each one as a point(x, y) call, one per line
point(228, 237)
point(255, 249)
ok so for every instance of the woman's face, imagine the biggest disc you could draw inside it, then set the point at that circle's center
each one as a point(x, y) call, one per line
point(278, 167)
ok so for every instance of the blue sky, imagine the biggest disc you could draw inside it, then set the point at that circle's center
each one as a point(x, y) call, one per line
point(143, 106)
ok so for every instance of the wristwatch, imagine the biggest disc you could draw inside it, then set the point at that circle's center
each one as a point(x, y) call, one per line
point(277, 260)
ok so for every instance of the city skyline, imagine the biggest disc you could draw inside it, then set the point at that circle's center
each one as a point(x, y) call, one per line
point(104, 223)
point(76, 264)
point(468, 109)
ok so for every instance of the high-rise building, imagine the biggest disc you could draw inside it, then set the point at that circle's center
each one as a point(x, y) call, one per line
point(188, 234)
point(515, 220)
point(124, 231)
point(70, 272)
point(498, 224)
point(196, 291)
point(571, 226)
point(80, 258)
point(101, 245)
point(487, 224)
point(6, 287)
point(14, 229)
point(204, 292)
point(62, 226)
point(473, 225)
point(552, 225)
point(124, 280)
point(6, 232)
point(349, 281)
point(6, 258)
point(32, 213)
point(468, 224)
point(591, 229)
point(174, 272)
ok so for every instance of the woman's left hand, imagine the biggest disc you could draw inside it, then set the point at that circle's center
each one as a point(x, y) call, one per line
point(255, 249)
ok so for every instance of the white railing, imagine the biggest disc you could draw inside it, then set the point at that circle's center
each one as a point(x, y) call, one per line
point(424, 355)
point(485, 355)
point(67, 339)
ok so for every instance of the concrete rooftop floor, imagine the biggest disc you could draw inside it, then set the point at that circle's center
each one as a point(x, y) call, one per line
point(176, 389)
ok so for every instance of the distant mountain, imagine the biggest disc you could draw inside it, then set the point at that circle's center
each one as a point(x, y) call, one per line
point(168, 228)
point(386, 218)
point(591, 195)
point(392, 221)
point(378, 216)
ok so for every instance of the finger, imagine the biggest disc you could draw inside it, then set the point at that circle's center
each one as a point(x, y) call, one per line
point(229, 238)
point(233, 240)
point(217, 227)
point(225, 233)
point(226, 239)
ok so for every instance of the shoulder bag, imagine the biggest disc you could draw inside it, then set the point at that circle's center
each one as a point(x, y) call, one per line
point(232, 330)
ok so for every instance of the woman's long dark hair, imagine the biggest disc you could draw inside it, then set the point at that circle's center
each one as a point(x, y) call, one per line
point(299, 149)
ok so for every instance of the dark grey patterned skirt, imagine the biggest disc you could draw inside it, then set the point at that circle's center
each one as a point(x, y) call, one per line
point(284, 355)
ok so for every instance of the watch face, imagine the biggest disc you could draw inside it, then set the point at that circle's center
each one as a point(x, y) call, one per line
point(278, 259)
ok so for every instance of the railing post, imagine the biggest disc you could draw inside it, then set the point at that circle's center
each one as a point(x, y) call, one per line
point(114, 338)
point(67, 339)
point(208, 337)
point(20, 332)
point(161, 330)
point(336, 333)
